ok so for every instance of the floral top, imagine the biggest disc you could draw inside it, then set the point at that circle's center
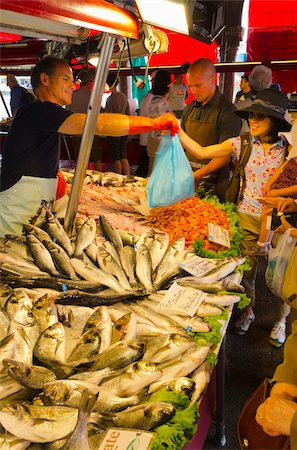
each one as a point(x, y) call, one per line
point(260, 167)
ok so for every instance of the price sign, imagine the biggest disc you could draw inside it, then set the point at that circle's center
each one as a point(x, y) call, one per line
point(218, 234)
point(197, 266)
point(182, 300)
point(117, 438)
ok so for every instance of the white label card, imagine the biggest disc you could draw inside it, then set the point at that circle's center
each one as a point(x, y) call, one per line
point(218, 234)
point(197, 266)
point(119, 439)
point(182, 300)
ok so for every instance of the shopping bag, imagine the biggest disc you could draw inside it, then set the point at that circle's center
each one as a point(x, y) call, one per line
point(172, 178)
point(290, 281)
point(278, 261)
point(250, 434)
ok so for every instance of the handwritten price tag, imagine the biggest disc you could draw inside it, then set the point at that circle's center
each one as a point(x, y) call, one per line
point(197, 266)
point(218, 234)
point(182, 300)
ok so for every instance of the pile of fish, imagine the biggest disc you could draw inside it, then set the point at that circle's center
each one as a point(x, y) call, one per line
point(70, 372)
point(106, 178)
point(77, 362)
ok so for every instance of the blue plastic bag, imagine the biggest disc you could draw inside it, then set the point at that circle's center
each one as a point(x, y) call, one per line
point(172, 178)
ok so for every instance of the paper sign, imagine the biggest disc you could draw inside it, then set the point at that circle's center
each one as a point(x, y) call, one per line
point(197, 266)
point(119, 439)
point(218, 234)
point(182, 300)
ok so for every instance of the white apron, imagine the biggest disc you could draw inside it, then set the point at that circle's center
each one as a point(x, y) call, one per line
point(21, 202)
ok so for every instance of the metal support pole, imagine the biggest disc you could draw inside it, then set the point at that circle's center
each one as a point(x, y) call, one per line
point(89, 129)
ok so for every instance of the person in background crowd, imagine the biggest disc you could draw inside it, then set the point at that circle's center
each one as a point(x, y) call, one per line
point(19, 96)
point(260, 78)
point(178, 94)
point(209, 119)
point(278, 413)
point(30, 157)
point(117, 102)
point(266, 117)
point(158, 105)
point(245, 89)
point(79, 104)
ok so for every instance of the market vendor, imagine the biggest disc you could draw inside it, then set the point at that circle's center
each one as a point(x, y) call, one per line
point(267, 117)
point(30, 158)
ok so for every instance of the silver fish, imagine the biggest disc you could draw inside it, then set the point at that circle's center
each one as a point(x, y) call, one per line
point(206, 310)
point(101, 241)
point(50, 346)
point(128, 238)
point(134, 379)
point(10, 442)
point(95, 275)
point(15, 260)
point(220, 273)
point(4, 324)
point(86, 349)
point(109, 265)
point(110, 233)
point(201, 376)
point(85, 236)
point(78, 439)
point(128, 261)
point(38, 423)
point(91, 251)
point(45, 312)
point(5, 292)
point(222, 300)
point(172, 257)
point(146, 238)
point(101, 321)
point(94, 377)
point(41, 255)
point(158, 248)
point(127, 326)
point(7, 348)
point(57, 232)
point(119, 355)
point(144, 267)
point(30, 376)
point(68, 393)
point(166, 347)
point(179, 385)
point(8, 386)
point(145, 416)
point(15, 247)
point(37, 232)
point(60, 259)
point(18, 301)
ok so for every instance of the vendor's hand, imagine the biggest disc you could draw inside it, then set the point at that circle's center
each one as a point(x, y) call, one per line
point(197, 178)
point(167, 122)
point(286, 390)
point(265, 190)
point(286, 205)
point(275, 415)
point(284, 226)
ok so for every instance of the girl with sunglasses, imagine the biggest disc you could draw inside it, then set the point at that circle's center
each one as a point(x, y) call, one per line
point(266, 117)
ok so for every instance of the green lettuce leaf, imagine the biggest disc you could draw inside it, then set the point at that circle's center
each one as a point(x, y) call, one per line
point(180, 400)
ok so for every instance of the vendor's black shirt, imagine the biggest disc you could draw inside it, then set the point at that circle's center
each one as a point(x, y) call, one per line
point(226, 123)
point(32, 145)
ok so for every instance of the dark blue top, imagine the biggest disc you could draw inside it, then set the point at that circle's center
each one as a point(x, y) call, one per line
point(32, 145)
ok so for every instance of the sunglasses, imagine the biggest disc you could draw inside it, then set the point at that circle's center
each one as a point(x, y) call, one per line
point(257, 116)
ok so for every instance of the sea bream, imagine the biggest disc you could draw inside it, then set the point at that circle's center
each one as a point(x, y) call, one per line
point(101, 321)
point(119, 355)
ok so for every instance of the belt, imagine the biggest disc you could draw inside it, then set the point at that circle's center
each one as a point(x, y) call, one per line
point(196, 165)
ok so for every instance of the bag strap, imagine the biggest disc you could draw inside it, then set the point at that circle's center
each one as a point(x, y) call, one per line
point(246, 142)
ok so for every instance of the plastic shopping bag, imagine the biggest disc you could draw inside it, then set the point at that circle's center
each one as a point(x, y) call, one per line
point(278, 261)
point(290, 281)
point(172, 178)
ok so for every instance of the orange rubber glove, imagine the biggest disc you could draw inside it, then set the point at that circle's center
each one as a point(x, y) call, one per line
point(141, 124)
point(61, 188)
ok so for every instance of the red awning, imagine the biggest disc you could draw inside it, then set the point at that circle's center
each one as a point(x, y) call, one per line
point(272, 36)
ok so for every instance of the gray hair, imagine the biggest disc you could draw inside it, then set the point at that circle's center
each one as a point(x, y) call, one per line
point(260, 78)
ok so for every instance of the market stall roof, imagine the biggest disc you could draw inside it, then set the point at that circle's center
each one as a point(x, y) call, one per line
point(66, 18)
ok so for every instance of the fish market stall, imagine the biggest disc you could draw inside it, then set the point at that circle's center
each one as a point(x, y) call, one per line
point(105, 332)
